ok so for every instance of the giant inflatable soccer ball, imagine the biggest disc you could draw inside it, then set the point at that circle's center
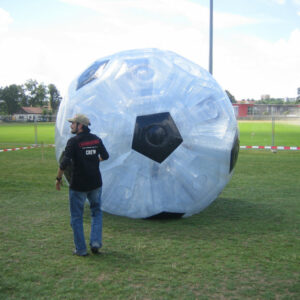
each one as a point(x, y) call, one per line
point(168, 126)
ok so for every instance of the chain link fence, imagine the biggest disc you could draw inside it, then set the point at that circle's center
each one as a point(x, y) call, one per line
point(30, 118)
point(271, 127)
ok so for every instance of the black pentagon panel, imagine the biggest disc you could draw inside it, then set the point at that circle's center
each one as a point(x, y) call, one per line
point(234, 152)
point(90, 73)
point(156, 136)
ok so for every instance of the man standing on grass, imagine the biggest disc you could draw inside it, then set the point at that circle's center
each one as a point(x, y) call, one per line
point(84, 153)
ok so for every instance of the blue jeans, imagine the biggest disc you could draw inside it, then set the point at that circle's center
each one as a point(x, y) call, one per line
point(77, 201)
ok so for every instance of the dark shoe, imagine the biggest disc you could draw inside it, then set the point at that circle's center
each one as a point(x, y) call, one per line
point(80, 254)
point(95, 248)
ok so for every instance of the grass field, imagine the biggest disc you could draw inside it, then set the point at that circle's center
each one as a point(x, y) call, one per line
point(251, 134)
point(21, 134)
point(246, 245)
point(260, 133)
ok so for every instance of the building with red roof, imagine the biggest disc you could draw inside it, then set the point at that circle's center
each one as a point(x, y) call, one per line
point(29, 114)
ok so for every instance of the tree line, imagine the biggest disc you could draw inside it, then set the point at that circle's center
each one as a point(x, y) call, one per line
point(277, 101)
point(31, 93)
point(35, 94)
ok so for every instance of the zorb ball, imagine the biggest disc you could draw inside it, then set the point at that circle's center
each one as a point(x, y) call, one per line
point(168, 126)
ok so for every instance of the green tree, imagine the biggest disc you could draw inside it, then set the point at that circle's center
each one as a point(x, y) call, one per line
point(42, 94)
point(3, 106)
point(271, 101)
point(24, 98)
point(31, 93)
point(54, 97)
point(230, 96)
point(12, 96)
point(36, 93)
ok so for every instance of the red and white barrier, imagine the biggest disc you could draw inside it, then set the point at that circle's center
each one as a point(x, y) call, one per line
point(270, 147)
point(23, 148)
point(241, 147)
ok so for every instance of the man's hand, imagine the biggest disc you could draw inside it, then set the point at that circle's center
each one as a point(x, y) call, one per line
point(58, 183)
point(59, 176)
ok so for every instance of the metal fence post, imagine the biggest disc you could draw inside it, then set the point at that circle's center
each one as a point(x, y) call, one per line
point(35, 131)
point(273, 134)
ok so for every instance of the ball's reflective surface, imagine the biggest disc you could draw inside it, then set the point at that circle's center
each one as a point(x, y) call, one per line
point(168, 126)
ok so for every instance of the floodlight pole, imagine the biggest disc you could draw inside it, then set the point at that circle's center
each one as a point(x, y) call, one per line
point(211, 37)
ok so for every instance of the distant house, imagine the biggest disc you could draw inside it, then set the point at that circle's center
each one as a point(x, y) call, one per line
point(29, 114)
point(243, 109)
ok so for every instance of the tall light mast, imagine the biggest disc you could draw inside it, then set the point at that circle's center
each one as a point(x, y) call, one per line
point(211, 37)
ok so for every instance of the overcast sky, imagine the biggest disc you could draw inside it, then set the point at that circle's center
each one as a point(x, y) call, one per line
point(256, 42)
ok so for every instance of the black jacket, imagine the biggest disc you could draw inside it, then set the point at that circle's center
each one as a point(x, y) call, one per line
point(82, 153)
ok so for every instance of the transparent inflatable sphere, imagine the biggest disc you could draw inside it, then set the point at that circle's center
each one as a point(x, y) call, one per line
point(168, 126)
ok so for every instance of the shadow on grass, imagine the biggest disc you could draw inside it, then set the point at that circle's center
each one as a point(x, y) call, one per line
point(230, 209)
point(223, 218)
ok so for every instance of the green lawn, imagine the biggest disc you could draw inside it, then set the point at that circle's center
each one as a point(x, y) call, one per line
point(251, 134)
point(21, 134)
point(260, 134)
point(246, 245)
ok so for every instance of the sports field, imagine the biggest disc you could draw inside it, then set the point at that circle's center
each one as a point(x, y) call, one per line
point(246, 245)
point(21, 134)
point(259, 133)
point(252, 133)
